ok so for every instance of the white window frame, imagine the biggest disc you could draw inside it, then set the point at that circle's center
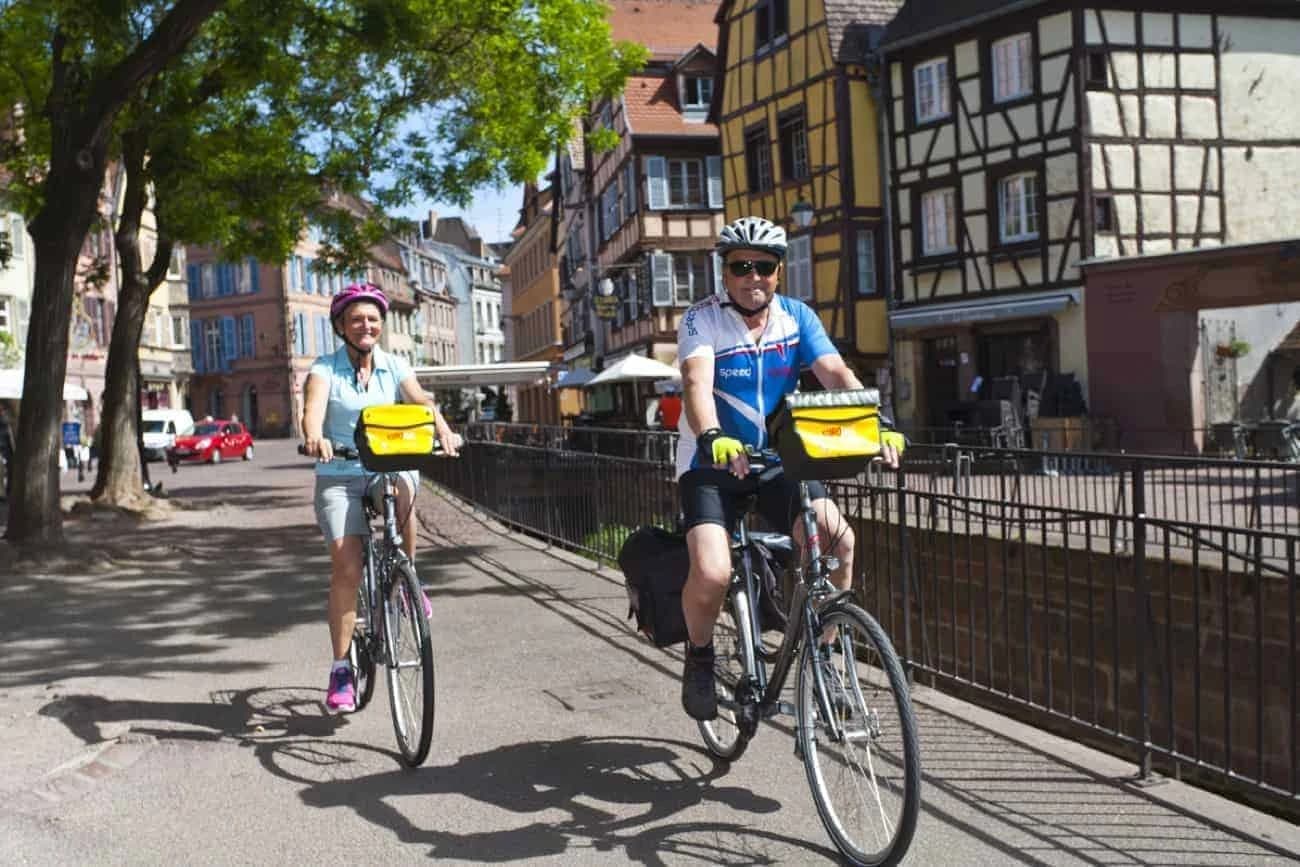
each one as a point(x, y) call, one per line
point(686, 294)
point(212, 345)
point(1018, 207)
point(938, 210)
point(930, 82)
point(1013, 74)
point(798, 268)
point(17, 237)
point(6, 320)
point(702, 84)
point(676, 166)
point(867, 274)
point(180, 332)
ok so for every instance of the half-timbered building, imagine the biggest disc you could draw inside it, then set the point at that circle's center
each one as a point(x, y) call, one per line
point(652, 208)
point(1028, 137)
point(801, 137)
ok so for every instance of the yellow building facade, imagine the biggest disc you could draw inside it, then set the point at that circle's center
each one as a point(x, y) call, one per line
point(799, 128)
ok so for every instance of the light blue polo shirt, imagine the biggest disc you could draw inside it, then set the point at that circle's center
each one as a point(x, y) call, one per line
point(346, 401)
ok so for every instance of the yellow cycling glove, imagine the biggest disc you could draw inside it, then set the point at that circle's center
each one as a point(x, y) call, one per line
point(717, 445)
point(895, 439)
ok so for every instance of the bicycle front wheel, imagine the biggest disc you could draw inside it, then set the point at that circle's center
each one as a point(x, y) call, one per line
point(862, 758)
point(727, 735)
point(410, 665)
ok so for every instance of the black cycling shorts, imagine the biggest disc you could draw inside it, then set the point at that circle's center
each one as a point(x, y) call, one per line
point(713, 496)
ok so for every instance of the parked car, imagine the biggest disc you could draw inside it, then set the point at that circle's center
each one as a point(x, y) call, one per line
point(161, 428)
point(212, 442)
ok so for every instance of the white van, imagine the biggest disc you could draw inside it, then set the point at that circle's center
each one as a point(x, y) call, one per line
point(161, 428)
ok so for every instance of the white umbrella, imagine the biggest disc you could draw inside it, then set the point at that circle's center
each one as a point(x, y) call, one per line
point(11, 387)
point(630, 368)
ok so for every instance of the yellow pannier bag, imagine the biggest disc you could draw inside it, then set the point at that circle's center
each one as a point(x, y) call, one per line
point(398, 436)
point(828, 434)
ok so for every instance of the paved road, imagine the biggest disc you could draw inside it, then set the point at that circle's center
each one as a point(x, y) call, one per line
point(165, 706)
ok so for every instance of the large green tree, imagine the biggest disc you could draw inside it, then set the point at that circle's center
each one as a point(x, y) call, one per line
point(236, 115)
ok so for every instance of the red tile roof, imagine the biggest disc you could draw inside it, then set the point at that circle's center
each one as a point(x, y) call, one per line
point(651, 105)
point(667, 27)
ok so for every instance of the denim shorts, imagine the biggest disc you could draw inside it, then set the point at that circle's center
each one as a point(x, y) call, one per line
point(339, 508)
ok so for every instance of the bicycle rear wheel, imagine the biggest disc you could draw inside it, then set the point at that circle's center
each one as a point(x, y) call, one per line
point(727, 735)
point(864, 764)
point(410, 665)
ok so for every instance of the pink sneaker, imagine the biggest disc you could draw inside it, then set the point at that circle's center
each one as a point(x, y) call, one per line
point(428, 606)
point(342, 694)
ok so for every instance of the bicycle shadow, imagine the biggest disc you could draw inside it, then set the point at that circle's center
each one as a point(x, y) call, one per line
point(595, 781)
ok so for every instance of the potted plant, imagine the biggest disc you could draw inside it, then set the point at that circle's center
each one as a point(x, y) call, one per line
point(1234, 348)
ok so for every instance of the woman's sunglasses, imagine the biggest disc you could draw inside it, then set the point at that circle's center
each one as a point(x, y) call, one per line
point(742, 267)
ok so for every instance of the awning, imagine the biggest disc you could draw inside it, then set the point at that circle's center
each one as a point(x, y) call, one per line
point(634, 367)
point(962, 312)
point(576, 378)
point(474, 375)
point(11, 387)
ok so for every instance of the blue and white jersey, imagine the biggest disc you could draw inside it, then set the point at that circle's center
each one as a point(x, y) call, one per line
point(749, 377)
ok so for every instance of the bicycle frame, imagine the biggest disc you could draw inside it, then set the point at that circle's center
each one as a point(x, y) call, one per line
point(812, 593)
point(376, 563)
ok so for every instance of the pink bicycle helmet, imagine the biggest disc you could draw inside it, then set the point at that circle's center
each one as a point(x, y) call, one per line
point(355, 292)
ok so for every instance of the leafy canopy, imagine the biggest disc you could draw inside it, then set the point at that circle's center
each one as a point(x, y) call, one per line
point(276, 102)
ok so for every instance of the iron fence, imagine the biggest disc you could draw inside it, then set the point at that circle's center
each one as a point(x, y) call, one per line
point(1101, 600)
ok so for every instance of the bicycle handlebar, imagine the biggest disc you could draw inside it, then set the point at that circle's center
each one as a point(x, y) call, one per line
point(341, 452)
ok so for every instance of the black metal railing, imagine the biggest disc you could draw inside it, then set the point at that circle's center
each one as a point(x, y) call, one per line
point(1098, 601)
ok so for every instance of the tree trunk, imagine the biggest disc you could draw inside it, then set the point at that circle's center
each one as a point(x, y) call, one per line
point(71, 200)
point(120, 480)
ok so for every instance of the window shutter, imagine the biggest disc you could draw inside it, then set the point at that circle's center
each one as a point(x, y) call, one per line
point(192, 281)
point(300, 334)
point(718, 288)
point(196, 342)
point(656, 171)
point(661, 279)
point(229, 341)
point(246, 336)
point(254, 284)
point(629, 187)
point(309, 267)
point(800, 275)
point(715, 181)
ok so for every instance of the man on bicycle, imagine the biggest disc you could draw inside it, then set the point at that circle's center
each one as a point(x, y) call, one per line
point(740, 354)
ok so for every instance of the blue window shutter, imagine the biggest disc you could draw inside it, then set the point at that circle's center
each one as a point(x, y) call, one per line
point(246, 342)
point(714, 165)
point(221, 280)
point(300, 333)
point(661, 279)
point(192, 281)
point(311, 276)
point(255, 284)
point(196, 342)
point(229, 341)
point(629, 188)
point(656, 173)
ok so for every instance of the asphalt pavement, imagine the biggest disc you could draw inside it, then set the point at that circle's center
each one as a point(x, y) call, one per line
point(161, 702)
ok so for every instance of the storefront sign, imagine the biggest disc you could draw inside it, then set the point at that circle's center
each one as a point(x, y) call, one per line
point(606, 306)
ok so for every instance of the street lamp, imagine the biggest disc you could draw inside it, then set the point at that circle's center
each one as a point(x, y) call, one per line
point(802, 213)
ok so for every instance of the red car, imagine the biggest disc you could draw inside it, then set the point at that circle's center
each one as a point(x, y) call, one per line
point(212, 442)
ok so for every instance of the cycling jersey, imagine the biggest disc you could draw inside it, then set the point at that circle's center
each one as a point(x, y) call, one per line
point(749, 377)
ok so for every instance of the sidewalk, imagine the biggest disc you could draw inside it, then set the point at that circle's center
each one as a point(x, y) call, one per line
point(169, 699)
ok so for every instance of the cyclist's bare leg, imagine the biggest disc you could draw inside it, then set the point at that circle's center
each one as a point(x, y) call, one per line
point(707, 581)
point(405, 506)
point(836, 538)
point(345, 577)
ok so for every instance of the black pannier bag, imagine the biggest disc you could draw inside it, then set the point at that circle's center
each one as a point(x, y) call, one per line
point(773, 555)
point(655, 562)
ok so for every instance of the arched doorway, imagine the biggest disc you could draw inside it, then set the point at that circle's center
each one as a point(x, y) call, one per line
point(249, 408)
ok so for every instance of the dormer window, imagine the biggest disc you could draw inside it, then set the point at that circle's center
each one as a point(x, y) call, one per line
point(697, 93)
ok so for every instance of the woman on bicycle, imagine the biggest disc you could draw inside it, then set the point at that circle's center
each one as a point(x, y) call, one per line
point(339, 386)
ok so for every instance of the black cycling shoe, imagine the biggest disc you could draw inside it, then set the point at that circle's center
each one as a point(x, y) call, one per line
point(699, 698)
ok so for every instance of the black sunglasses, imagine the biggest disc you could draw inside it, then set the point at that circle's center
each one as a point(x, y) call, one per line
point(741, 267)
